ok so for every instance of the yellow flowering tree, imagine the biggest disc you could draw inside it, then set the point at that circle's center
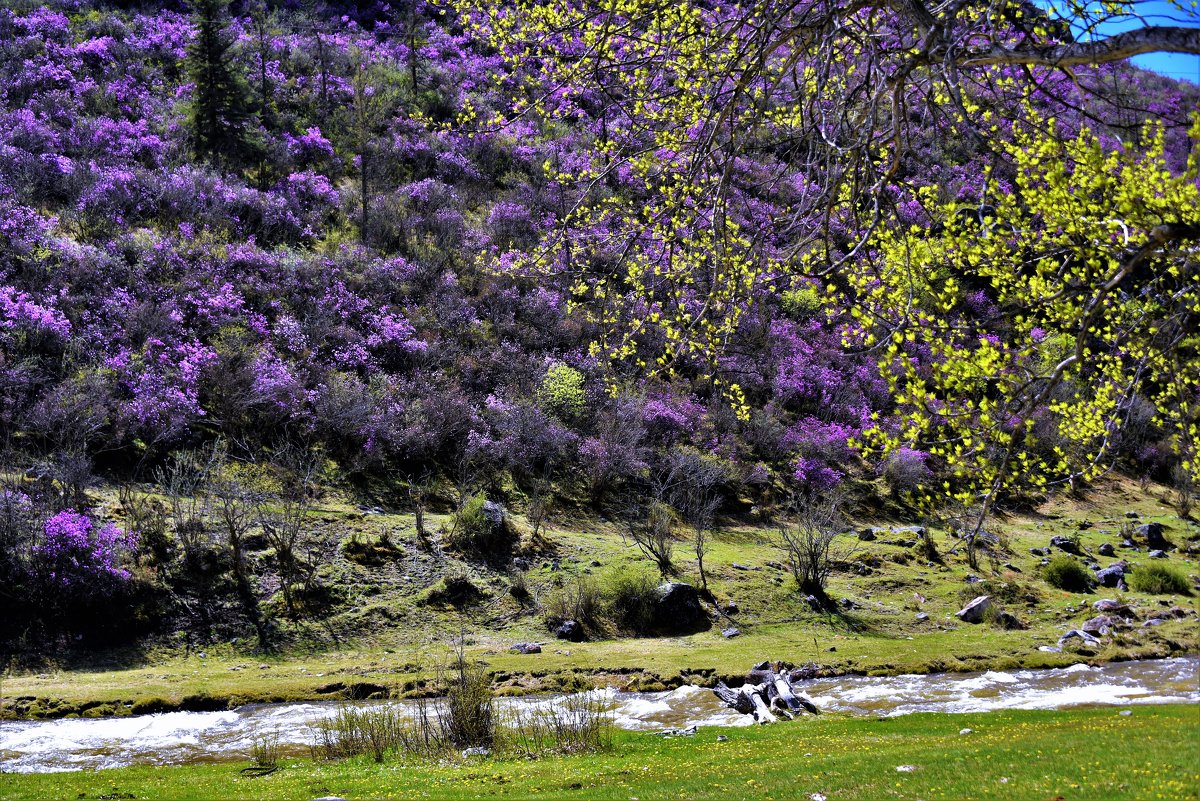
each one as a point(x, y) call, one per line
point(1088, 267)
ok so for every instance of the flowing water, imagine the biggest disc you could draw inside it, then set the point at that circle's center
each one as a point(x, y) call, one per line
point(180, 737)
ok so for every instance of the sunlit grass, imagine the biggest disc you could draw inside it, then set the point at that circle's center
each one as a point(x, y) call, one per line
point(1152, 753)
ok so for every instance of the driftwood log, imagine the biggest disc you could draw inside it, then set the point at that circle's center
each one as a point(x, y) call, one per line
point(767, 694)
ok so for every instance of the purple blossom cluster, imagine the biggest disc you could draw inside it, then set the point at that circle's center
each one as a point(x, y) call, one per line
point(77, 552)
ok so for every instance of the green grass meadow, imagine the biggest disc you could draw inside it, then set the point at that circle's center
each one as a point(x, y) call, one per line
point(1071, 755)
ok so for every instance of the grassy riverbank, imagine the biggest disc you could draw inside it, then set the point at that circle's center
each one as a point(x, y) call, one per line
point(897, 617)
point(1079, 754)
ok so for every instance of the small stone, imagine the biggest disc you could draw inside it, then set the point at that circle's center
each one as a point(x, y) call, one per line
point(202, 655)
point(1049, 649)
point(1158, 554)
point(832, 649)
point(264, 666)
point(722, 738)
point(477, 751)
point(527, 648)
point(1126, 712)
point(739, 566)
point(1107, 549)
point(730, 633)
point(922, 616)
point(905, 768)
point(1131, 515)
point(1012, 567)
point(965, 731)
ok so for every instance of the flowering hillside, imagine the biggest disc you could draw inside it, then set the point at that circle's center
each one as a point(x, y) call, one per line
point(395, 247)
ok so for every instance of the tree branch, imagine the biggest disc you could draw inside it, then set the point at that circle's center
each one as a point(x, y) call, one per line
point(1152, 39)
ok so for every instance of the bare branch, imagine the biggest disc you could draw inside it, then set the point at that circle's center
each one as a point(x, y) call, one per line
point(1152, 39)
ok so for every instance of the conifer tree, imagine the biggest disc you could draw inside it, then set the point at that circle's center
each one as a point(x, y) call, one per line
point(220, 96)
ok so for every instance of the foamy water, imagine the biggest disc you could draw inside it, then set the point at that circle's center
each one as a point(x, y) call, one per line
point(183, 737)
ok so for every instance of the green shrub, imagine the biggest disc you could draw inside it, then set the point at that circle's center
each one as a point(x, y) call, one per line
point(1157, 578)
point(562, 391)
point(482, 530)
point(469, 715)
point(580, 599)
point(1066, 573)
point(355, 730)
point(455, 589)
point(1005, 592)
point(805, 301)
point(629, 598)
point(371, 552)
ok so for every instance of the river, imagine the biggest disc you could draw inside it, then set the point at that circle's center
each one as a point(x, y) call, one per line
point(184, 737)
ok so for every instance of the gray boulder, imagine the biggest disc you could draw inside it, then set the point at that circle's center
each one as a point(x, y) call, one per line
point(1158, 554)
point(1074, 634)
point(730, 633)
point(677, 609)
point(1101, 625)
point(974, 611)
point(527, 648)
point(1007, 620)
point(1065, 544)
point(1108, 606)
point(570, 630)
point(1107, 549)
point(1112, 576)
point(1152, 533)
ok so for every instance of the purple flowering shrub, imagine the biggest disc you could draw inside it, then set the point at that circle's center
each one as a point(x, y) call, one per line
point(76, 553)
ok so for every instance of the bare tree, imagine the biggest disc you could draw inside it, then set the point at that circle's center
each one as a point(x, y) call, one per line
point(652, 528)
point(808, 535)
point(235, 506)
point(697, 479)
point(417, 488)
point(285, 522)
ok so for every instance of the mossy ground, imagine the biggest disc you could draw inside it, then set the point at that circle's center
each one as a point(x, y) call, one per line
point(385, 635)
point(1075, 754)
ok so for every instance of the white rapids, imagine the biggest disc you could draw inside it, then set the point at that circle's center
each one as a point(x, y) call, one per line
point(183, 737)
